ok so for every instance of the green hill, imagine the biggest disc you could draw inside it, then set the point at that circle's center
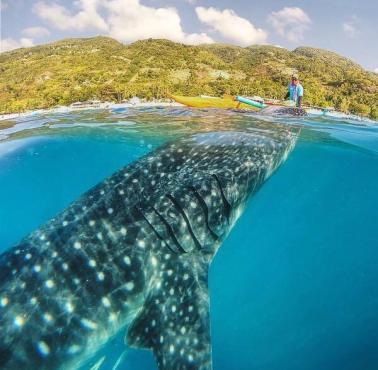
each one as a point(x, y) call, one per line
point(80, 69)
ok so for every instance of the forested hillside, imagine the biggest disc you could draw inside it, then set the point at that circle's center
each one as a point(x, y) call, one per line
point(102, 68)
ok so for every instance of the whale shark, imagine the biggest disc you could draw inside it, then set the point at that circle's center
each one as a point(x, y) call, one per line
point(283, 111)
point(133, 254)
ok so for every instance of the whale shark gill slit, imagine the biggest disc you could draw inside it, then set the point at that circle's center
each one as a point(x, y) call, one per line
point(227, 205)
point(154, 229)
point(184, 215)
point(140, 212)
point(205, 210)
point(169, 230)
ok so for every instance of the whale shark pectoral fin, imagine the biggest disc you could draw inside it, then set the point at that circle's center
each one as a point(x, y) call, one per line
point(174, 321)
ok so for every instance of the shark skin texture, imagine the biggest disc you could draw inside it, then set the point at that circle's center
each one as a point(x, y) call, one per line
point(133, 254)
point(283, 111)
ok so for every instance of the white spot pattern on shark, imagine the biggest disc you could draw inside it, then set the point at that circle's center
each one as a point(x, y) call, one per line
point(136, 248)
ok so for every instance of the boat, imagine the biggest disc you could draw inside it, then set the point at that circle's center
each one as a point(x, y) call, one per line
point(267, 106)
point(204, 101)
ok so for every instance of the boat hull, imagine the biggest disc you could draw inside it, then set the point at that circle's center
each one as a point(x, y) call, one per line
point(226, 102)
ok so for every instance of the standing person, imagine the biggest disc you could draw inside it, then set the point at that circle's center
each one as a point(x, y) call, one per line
point(295, 91)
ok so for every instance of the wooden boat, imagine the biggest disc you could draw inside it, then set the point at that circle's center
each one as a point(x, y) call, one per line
point(203, 101)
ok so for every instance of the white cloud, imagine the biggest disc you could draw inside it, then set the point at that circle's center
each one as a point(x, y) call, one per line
point(376, 70)
point(350, 27)
point(197, 39)
point(232, 27)
point(290, 23)
point(58, 16)
point(35, 32)
point(125, 20)
point(10, 44)
point(129, 20)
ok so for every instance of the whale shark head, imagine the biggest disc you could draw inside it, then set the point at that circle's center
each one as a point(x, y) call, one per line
point(223, 169)
point(134, 250)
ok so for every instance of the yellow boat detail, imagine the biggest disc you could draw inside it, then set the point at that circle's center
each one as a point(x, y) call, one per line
point(227, 102)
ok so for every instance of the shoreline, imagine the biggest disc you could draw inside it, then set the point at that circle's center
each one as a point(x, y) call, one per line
point(100, 106)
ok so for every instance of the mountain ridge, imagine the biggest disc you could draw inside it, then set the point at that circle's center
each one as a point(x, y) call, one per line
point(75, 69)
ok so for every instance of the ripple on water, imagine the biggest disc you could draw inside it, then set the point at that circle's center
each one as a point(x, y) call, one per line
point(168, 122)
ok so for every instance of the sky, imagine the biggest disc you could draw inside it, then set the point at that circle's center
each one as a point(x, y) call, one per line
point(348, 27)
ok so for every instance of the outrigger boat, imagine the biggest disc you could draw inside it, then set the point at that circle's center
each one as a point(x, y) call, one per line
point(268, 106)
point(204, 101)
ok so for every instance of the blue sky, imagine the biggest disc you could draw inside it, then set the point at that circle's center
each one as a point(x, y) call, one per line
point(347, 27)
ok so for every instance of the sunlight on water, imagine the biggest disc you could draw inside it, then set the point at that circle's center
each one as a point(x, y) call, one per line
point(294, 285)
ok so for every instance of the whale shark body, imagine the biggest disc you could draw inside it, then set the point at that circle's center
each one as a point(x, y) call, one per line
point(133, 252)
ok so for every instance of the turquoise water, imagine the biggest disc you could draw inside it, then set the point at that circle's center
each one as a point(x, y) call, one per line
point(295, 284)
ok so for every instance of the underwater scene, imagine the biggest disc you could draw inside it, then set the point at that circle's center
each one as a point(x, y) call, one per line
point(171, 238)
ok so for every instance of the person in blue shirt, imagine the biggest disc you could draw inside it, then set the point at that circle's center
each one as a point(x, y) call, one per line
point(295, 91)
